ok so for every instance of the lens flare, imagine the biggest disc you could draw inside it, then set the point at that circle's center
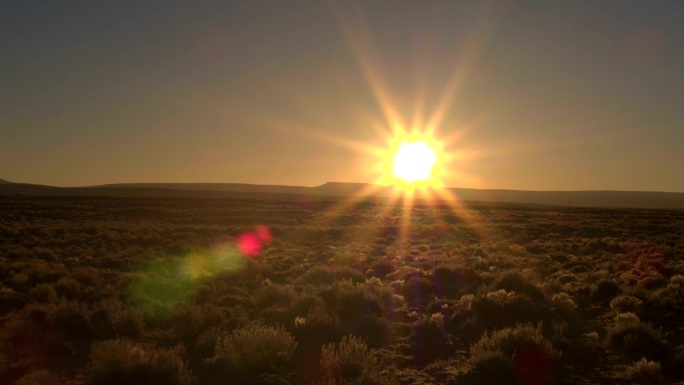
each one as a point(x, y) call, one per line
point(167, 283)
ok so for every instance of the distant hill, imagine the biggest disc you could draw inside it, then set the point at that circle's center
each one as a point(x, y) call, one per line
point(337, 191)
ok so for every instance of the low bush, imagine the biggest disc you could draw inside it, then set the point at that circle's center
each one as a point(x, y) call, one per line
point(531, 356)
point(452, 281)
point(430, 340)
point(514, 281)
point(324, 274)
point(250, 352)
point(351, 362)
point(605, 290)
point(318, 326)
point(563, 303)
point(502, 308)
point(634, 338)
point(122, 362)
point(644, 372)
point(625, 303)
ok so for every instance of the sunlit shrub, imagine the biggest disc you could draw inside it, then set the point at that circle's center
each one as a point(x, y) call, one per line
point(625, 303)
point(270, 295)
point(350, 300)
point(351, 362)
point(250, 352)
point(112, 318)
point(430, 340)
point(491, 367)
point(514, 281)
point(644, 371)
point(318, 326)
point(532, 357)
point(451, 281)
point(324, 274)
point(635, 339)
point(122, 362)
point(381, 269)
point(564, 303)
point(503, 308)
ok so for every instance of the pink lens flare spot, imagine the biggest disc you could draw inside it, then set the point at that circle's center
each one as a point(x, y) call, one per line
point(249, 244)
point(264, 234)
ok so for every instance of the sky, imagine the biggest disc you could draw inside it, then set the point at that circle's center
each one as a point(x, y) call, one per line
point(531, 95)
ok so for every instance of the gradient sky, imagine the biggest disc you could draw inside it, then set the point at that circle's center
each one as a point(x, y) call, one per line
point(537, 95)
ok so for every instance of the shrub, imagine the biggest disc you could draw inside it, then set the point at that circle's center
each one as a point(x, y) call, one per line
point(206, 343)
point(122, 362)
point(351, 362)
point(319, 326)
point(325, 274)
point(111, 318)
point(72, 321)
point(605, 290)
point(502, 308)
point(491, 367)
point(451, 281)
point(250, 352)
point(625, 303)
point(531, 356)
point(352, 301)
point(514, 281)
point(44, 293)
point(644, 371)
point(381, 269)
point(274, 295)
point(563, 303)
point(634, 338)
point(68, 288)
point(430, 340)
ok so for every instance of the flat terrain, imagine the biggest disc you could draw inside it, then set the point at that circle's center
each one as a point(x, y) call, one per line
point(106, 290)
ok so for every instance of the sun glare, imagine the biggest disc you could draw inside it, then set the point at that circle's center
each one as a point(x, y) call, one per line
point(414, 161)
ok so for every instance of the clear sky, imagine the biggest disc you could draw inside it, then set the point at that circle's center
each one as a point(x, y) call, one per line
point(537, 95)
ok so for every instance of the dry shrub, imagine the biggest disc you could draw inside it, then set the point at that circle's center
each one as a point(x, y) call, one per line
point(502, 308)
point(625, 303)
point(319, 326)
point(249, 353)
point(115, 362)
point(634, 338)
point(530, 355)
point(430, 340)
point(605, 290)
point(644, 371)
point(515, 281)
point(351, 362)
point(564, 303)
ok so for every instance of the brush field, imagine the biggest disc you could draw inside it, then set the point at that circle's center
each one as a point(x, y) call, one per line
point(214, 291)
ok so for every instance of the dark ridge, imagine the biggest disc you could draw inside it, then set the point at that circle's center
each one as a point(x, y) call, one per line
point(335, 191)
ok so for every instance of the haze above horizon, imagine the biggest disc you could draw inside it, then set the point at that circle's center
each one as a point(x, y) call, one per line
point(524, 95)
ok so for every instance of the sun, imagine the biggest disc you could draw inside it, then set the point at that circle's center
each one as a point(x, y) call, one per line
point(414, 161)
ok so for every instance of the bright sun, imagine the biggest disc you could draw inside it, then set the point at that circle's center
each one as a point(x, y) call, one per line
point(414, 161)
